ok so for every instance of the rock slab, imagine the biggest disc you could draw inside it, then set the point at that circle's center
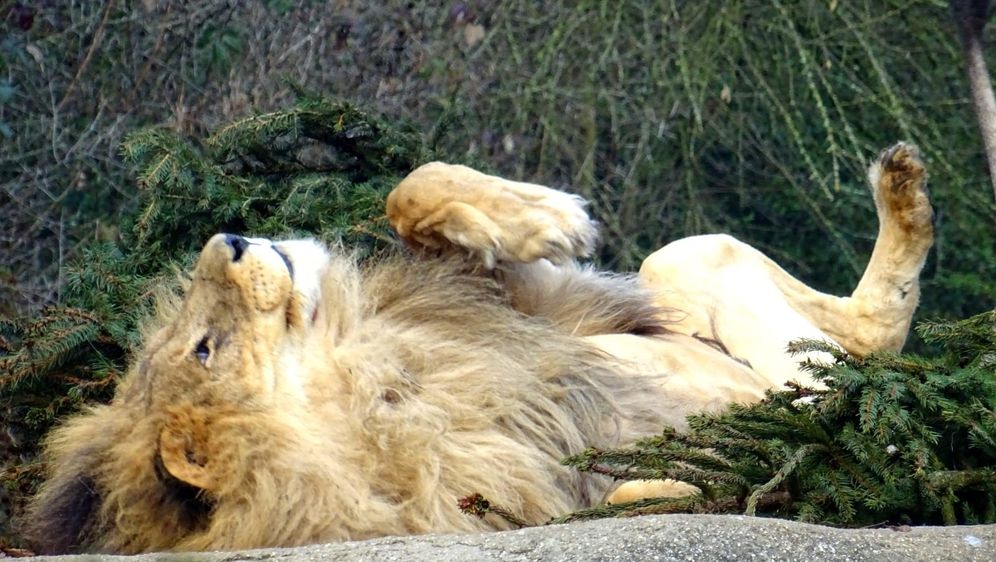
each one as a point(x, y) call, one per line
point(657, 538)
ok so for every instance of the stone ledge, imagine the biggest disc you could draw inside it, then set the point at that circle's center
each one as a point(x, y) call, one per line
point(662, 538)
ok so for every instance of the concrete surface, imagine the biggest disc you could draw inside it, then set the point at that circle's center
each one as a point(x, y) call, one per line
point(661, 538)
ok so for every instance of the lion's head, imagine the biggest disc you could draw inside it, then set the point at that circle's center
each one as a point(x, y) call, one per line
point(205, 428)
point(233, 345)
point(296, 397)
point(248, 302)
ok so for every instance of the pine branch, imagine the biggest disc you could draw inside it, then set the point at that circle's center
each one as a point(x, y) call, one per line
point(778, 478)
point(476, 505)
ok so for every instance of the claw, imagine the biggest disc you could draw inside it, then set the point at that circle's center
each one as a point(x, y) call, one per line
point(901, 156)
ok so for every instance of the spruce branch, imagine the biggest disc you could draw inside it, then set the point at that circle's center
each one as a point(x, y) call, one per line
point(478, 506)
point(780, 475)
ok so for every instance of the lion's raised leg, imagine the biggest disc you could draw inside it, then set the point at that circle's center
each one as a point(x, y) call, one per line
point(734, 293)
point(877, 315)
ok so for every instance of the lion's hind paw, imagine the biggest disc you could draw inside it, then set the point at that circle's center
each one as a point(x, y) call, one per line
point(899, 186)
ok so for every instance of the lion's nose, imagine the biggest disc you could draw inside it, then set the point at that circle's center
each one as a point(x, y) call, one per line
point(238, 244)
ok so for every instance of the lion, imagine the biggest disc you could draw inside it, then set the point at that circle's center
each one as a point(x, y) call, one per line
point(298, 396)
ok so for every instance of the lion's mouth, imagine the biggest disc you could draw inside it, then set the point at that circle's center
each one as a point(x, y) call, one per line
point(287, 262)
point(305, 261)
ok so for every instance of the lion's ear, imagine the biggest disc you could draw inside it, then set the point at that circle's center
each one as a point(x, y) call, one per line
point(184, 447)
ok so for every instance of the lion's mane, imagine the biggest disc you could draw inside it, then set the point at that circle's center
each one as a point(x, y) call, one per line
point(430, 387)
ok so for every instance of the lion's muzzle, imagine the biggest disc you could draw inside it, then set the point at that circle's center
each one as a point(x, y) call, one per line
point(253, 266)
point(268, 274)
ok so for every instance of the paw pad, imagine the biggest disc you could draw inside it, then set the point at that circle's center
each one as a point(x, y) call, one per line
point(899, 186)
point(901, 157)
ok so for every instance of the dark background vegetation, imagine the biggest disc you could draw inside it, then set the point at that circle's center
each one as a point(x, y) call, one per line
point(753, 117)
point(750, 117)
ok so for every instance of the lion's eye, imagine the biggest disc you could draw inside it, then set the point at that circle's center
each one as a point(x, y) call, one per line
point(202, 352)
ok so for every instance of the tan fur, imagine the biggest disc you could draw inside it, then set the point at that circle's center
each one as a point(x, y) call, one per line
point(497, 219)
point(732, 292)
point(297, 397)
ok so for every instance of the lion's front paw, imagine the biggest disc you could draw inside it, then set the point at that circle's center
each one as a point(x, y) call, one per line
point(496, 219)
point(899, 185)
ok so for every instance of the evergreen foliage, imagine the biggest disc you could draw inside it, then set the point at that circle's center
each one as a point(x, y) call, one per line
point(892, 438)
point(319, 168)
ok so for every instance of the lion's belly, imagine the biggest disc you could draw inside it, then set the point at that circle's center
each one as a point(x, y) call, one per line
point(692, 375)
point(722, 288)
